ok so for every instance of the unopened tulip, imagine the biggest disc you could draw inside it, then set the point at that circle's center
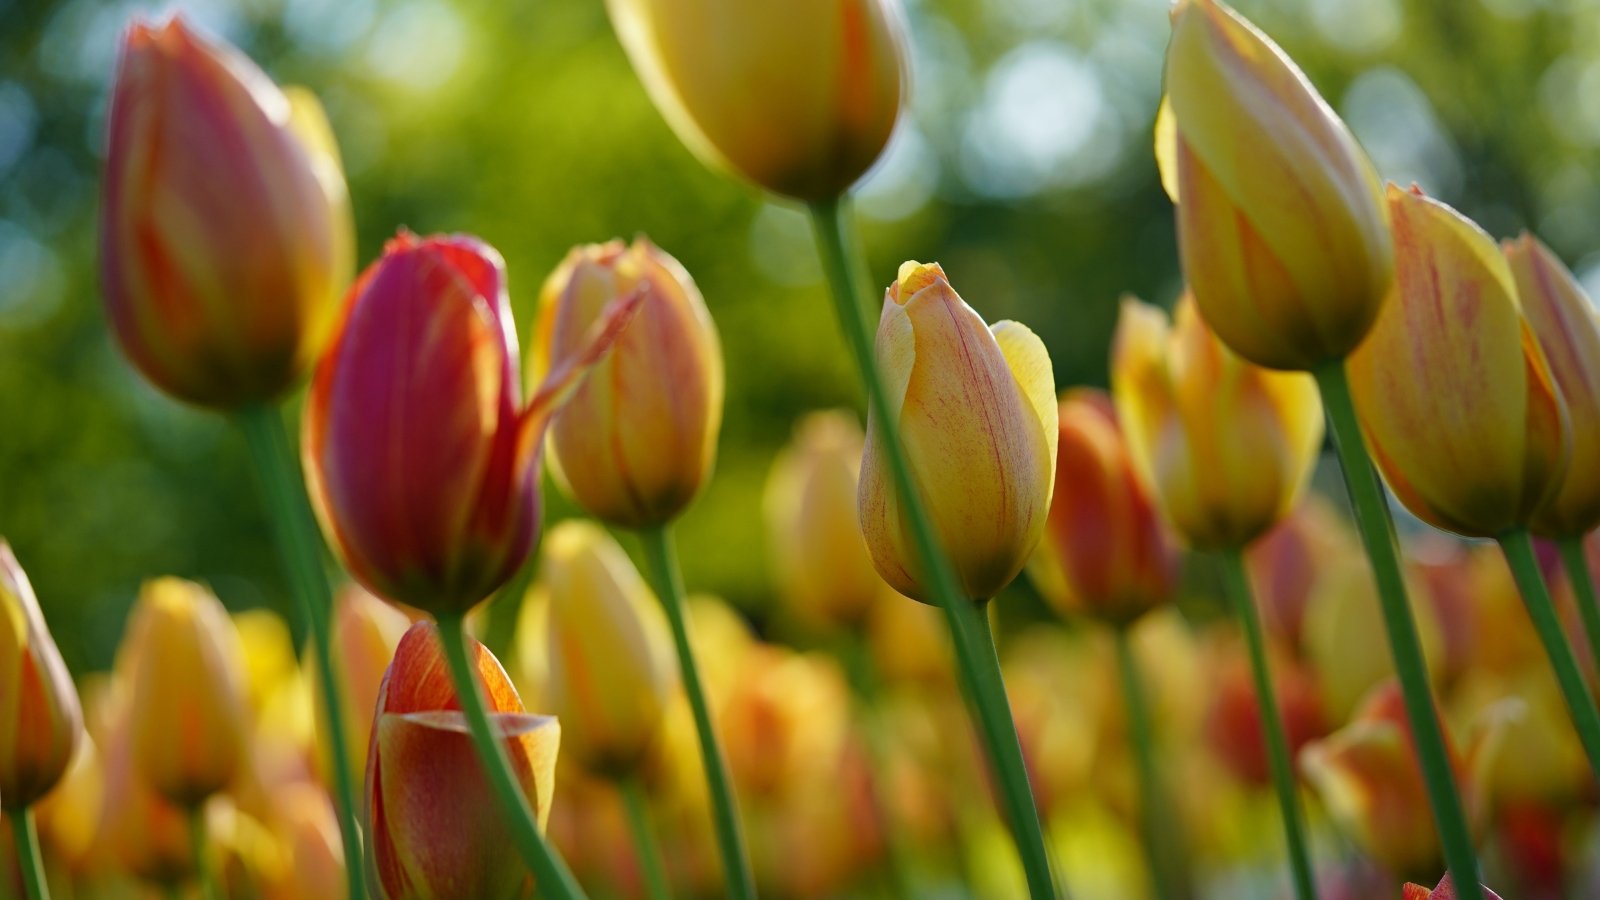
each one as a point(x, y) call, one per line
point(41, 723)
point(1446, 890)
point(434, 827)
point(822, 566)
point(139, 832)
point(1225, 445)
point(225, 229)
point(798, 99)
point(1455, 397)
point(315, 856)
point(976, 408)
point(636, 440)
point(1289, 563)
point(1233, 724)
point(421, 456)
point(612, 668)
point(1280, 219)
point(1106, 552)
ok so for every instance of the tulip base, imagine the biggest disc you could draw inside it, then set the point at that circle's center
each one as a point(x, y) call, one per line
point(1577, 566)
point(1376, 527)
point(1161, 855)
point(26, 838)
point(637, 807)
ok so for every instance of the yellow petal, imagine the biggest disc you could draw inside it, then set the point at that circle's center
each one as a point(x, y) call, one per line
point(1167, 148)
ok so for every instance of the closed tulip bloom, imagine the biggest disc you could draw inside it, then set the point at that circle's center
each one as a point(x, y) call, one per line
point(225, 228)
point(976, 408)
point(366, 632)
point(799, 99)
point(1106, 552)
point(1226, 446)
point(1564, 321)
point(612, 669)
point(636, 440)
point(1457, 401)
point(1446, 890)
point(433, 825)
point(1280, 216)
point(41, 723)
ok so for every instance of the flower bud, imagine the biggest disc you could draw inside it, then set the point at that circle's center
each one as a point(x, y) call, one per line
point(976, 409)
point(434, 827)
point(421, 457)
point(636, 440)
point(1233, 724)
point(315, 857)
point(41, 723)
point(139, 832)
point(225, 225)
point(1455, 397)
point(1226, 446)
point(365, 633)
point(1105, 551)
point(1280, 221)
point(798, 99)
point(1445, 891)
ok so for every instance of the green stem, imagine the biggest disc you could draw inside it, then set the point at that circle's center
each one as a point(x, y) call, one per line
point(668, 583)
point(550, 872)
point(204, 878)
point(26, 837)
point(1577, 565)
point(1283, 779)
point(969, 628)
point(300, 546)
point(857, 656)
point(1518, 547)
point(1377, 535)
point(644, 838)
point(1153, 803)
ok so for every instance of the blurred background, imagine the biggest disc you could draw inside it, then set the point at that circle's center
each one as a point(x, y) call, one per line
point(1024, 167)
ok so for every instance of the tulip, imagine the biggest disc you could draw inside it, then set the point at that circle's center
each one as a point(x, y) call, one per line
point(799, 100)
point(1225, 445)
point(139, 832)
point(310, 830)
point(366, 632)
point(976, 410)
point(424, 371)
point(1280, 221)
point(1446, 890)
point(823, 569)
point(41, 723)
point(1106, 552)
point(636, 440)
point(433, 825)
point(1233, 726)
point(1456, 399)
point(225, 227)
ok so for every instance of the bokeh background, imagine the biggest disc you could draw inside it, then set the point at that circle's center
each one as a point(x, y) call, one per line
point(1024, 166)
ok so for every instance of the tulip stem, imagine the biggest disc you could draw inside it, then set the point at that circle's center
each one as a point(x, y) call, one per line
point(300, 546)
point(26, 836)
point(644, 838)
point(662, 562)
point(1577, 565)
point(1518, 547)
point(204, 877)
point(974, 645)
point(550, 872)
point(1283, 778)
point(1378, 537)
point(1153, 804)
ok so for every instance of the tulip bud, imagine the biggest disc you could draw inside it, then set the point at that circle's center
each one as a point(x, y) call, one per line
point(139, 832)
point(1445, 891)
point(612, 668)
point(421, 457)
point(636, 440)
point(189, 708)
point(310, 832)
point(1455, 397)
point(1289, 563)
point(1280, 221)
point(1233, 724)
point(41, 723)
point(434, 827)
point(823, 569)
point(1226, 446)
point(977, 414)
point(1563, 319)
point(1105, 551)
point(365, 633)
point(798, 99)
point(225, 225)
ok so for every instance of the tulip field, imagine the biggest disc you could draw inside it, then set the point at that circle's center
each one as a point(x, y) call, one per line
point(644, 449)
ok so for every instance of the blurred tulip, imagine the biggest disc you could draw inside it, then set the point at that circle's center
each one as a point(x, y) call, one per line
point(366, 632)
point(977, 414)
point(1455, 397)
point(1289, 562)
point(41, 723)
point(315, 856)
point(911, 643)
point(268, 661)
point(139, 832)
point(70, 815)
point(188, 703)
point(1341, 618)
point(783, 720)
point(426, 360)
point(1233, 726)
point(799, 100)
point(1106, 552)
point(821, 562)
point(636, 440)
point(1226, 446)
point(225, 228)
point(1445, 891)
point(612, 668)
point(433, 826)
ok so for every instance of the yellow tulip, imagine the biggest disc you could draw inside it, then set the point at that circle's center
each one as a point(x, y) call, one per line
point(1226, 446)
point(41, 722)
point(1280, 221)
point(976, 407)
point(1454, 394)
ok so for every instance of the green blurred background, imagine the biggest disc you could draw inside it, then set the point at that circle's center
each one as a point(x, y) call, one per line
point(1023, 165)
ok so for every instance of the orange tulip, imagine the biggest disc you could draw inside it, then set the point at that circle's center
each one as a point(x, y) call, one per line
point(41, 723)
point(1446, 890)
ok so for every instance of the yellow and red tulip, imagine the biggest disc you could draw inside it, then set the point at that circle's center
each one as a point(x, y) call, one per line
point(1445, 890)
point(41, 722)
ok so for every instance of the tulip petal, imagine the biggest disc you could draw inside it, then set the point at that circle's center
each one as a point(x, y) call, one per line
point(1029, 362)
point(1167, 148)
